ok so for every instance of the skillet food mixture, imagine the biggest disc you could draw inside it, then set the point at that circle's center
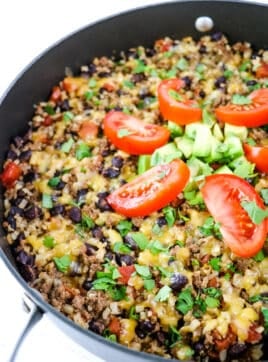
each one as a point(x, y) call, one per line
point(135, 203)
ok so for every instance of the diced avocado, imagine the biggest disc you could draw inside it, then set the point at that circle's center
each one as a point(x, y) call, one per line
point(198, 168)
point(237, 131)
point(242, 167)
point(192, 129)
point(165, 154)
point(223, 170)
point(236, 162)
point(202, 142)
point(191, 186)
point(216, 152)
point(208, 118)
point(144, 163)
point(185, 145)
point(235, 148)
point(174, 129)
point(217, 132)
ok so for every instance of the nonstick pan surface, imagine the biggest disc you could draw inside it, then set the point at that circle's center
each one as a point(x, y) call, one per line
point(240, 21)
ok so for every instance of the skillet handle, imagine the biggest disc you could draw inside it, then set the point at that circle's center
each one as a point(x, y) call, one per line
point(35, 314)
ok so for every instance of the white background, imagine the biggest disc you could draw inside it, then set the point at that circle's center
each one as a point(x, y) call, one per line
point(26, 29)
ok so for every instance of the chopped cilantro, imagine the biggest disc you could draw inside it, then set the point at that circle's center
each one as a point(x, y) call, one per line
point(259, 256)
point(244, 66)
point(143, 271)
point(174, 336)
point(62, 263)
point(240, 99)
point(257, 298)
point(210, 227)
point(47, 202)
point(256, 214)
point(87, 222)
point(185, 301)
point(195, 262)
point(118, 293)
point(213, 292)
point(182, 64)
point(227, 276)
point(156, 229)
point(163, 294)
point(212, 302)
point(140, 239)
point(82, 151)
point(49, 241)
point(180, 243)
point(250, 141)
point(140, 67)
point(264, 195)
point(164, 272)
point(215, 264)
point(120, 247)
point(171, 73)
point(53, 182)
point(124, 227)
point(132, 313)
point(170, 215)
point(156, 247)
point(200, 68)
point(92, 83)
point(149, 284)
point(89, 95)
point(66, 146)
point(49, 109)
point(128, 84)
point(68, 116)
point(228, 73)
point(265, 317)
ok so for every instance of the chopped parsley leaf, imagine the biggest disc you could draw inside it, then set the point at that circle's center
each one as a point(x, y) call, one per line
point(170, 215)
point(140, 67)
point(163, 294)
point(128, 84)
point(82, 151)
point(156, 247)
point(140, 239)
point(212, 302)
point(120, 247)
point(49, 109)
point(49, 242)
point(210, 227)
point(53, 182)
point(62, 263)
point(185, 301)
point(215, 264)
point(68, 116)
point(124, 227)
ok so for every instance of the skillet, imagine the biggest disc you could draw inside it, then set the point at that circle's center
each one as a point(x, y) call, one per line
point(240, 21)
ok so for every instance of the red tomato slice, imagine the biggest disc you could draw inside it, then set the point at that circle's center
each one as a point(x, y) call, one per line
point(182, 111)
point(257, 155)
point(88, 130)
point(125, 271)
point(115, 326)
point(262, 71)
point(10, 174)
point(254, 114)
point(133, 136)
point(150, 191)
point(223, 195)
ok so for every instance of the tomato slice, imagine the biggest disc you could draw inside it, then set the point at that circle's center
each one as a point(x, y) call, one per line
point(254, 114)
point(257, 155)
point(177, 109)
point(223, 195)
point(10, 174)
point(150, 191)
point(88, 130)
point(262, 71)
point(125, 271)
point(133, 136)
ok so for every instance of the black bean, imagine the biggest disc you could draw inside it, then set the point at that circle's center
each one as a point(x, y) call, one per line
point(87, 285)
point(150, 52)
point(104, 74)
point(21, 193)
point(80, 196)
point(161, 337)
point(132, 53)
point(18, 239)
point(25, 155)
point(60, 186)
point(97, 233)
point(32, 212)
point(105, 152)
point(140, 333)
point(25, 258)
point(147, 326)
point(91, 69)
point(144, 92)
point(11, 155)
point(14, 210)
point(102, 203)
point(117, 162)
point(90, 249)
point(130, 242)
point(251, 82)
point(96, 326)
point(109, 255)
point(27, 272)
point(117, 108)
point(202, 94)
point(199, 349)
point(64, 105)
point(161, 221)
point(216, 36)
point(57, 210)
point(187, 82)
point(75, 214)
point(237, 349)
point(220, 82)
point(18, 141)
point(11, 221)
point(124, 259)
point(111, 172)
point(178, 281)
point(139, 77)
point(29, 177)
point(202, 49)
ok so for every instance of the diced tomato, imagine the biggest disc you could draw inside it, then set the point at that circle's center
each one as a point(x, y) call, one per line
point(177, 109)
point(132, 135)
point(223, 195)
point(115, 326)
point(257, 155)
point(109, 87)
point(56, 94)
point(71, 84)
point(224, 343)
point(47, 121)
point(262, 71)
point(125, 271)
point(253, 335)
point(150, 191)
point(10, 174)
point(88, 130)
point(163, 45)
point(254, 114)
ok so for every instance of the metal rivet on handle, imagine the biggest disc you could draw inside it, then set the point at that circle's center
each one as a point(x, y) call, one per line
point(204, 23)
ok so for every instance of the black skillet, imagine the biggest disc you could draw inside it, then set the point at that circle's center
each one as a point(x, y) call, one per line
point(240, 21)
